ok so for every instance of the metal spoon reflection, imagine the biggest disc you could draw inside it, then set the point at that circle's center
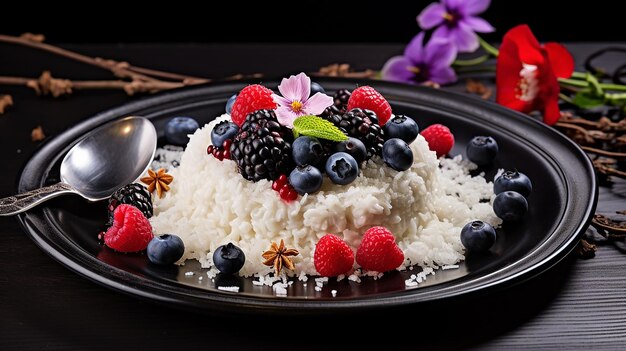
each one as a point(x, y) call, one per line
point(106, 159)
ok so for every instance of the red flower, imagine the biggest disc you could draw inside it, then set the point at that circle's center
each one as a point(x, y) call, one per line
point(527, 72)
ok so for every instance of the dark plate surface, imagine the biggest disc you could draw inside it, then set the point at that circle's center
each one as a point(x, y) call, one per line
point(563, 199)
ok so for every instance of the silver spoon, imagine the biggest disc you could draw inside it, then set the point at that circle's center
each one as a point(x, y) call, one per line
point(106, 159)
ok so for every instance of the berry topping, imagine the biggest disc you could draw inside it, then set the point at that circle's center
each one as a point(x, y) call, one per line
point(223, 131)
point(401, 126)
point(306, 179)
point(165, 249)
point(353, 147)
point(332, 256)
point(363, 125)
point(378, 251)
point(288, 193)
point(513, 181)
point(131, 194)
point(307, 150)
point(368, 98)
point(397, 154)
point(317, 88)
point(510, 206)
point(439, 138)
point(482, 150)
point(130, 232)
point(251, 98)
point(228, 258)
point(478, 236)
point(178, 129)
point(230, 103)
point(342, 168)
point(262, 147)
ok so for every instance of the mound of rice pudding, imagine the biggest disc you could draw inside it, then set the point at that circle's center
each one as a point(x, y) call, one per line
point(211, 204)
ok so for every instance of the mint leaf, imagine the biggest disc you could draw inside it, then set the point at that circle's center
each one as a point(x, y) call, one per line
point(587, 99)
point(317, 127)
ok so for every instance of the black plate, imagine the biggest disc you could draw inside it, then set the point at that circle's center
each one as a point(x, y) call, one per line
point(563, 200)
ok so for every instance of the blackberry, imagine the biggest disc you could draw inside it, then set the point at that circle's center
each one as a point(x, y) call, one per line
point(131, 194)
point(262, 147)
point(340, 103)
point(341, 97)
point(363, 125)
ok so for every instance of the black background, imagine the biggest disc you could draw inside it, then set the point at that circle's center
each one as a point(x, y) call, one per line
point(297, 21)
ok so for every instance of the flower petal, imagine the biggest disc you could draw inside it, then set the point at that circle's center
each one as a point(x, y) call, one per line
point(454, 5)
point(439, 52)
point(442, 75)
point(551, 112)
point(415, 49)
point(431, 16)
point(464, 38)
point(474, 7)
point(296, 88)
point(286, 116)
point(317, 103)
point(561, 60)
point(396, 69)
point(281, 101)
point(478, 24)
point(525, 43)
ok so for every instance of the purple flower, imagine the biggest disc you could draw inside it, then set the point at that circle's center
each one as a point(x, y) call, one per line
point(296, 102)
point(423, 63)
point(457, 21)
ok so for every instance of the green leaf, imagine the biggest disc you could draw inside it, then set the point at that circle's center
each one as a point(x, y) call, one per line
point(596, 89)
point(587, 99)
point(318, 128)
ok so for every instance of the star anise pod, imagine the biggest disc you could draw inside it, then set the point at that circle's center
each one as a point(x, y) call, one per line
point(278, 256)
point(158, 180)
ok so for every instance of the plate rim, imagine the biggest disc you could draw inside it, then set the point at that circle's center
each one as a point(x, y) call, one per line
point(224, 301)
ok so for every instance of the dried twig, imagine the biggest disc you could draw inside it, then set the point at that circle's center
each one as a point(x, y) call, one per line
point(5, 102)
point(344, 70)
point(37, 134)
point(120, 69)
point(475, 87)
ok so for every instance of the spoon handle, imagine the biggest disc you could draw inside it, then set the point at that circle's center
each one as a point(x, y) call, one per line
point(21, 202)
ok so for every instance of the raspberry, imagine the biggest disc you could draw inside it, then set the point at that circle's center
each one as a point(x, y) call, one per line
point(378, 251)
point(439, 138)
point(251, 98)
point(130, 232)
point(367, 98)
point(332, 256)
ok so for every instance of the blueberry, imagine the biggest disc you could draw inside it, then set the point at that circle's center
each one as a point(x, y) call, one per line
point(165, 249)
point(306, 179)
point(230, 103)
point(482, 150)
point(317, 88)
point(228, 258)
point(513, 181)
point(397, 154)
point(353, 147)
point(478, 236)
point(342, 168)
point(177, 130)
point(510, 206)
point(306, 150)
point(223, 131)
point(401, 127)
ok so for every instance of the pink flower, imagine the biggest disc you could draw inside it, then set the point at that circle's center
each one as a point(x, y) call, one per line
point(296, 102)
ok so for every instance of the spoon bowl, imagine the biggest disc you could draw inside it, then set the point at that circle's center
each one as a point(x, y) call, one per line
point(106, 159)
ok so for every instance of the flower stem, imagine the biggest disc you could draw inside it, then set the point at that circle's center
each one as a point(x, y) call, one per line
point(566, 98)
point(471, 62)
point(585, 84)
point(492, 50)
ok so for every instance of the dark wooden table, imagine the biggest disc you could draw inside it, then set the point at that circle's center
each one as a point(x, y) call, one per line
point(577, 304)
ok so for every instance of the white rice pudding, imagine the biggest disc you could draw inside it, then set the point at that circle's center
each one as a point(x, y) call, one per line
point(211, 204)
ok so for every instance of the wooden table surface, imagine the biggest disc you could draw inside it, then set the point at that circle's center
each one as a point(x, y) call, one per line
point(577, 304)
